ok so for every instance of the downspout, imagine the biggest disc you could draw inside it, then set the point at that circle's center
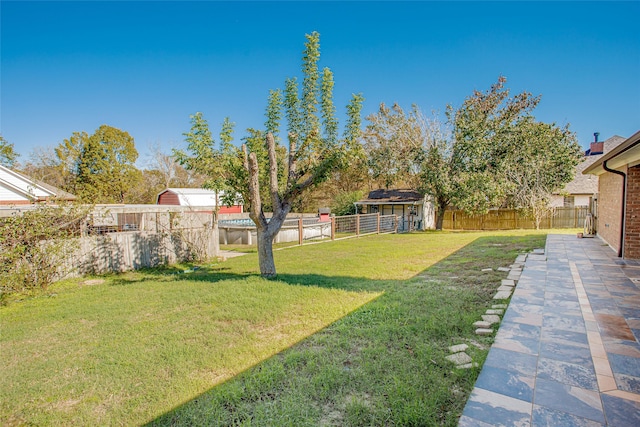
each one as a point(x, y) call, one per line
point(624, 196)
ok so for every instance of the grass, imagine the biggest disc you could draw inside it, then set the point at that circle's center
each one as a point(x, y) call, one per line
point(352, 333)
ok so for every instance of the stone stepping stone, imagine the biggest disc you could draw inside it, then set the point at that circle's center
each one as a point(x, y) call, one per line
point(505, 288)
point(504, 269)
point(460, 358)
point(487, 269)
point(499, 306)
point(482, 324)
point(495, 311)
point(491, 318)
point(458, 348)
point(484, 331)
point(508, 282)
point(502, 295)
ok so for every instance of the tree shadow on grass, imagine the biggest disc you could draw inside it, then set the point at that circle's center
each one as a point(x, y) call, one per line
point(382, 364)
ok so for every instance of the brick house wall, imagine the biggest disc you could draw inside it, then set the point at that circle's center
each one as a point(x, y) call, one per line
point(632, 217)
point(610, 208)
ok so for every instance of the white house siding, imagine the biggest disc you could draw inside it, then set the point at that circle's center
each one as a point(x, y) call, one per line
point(7, 197)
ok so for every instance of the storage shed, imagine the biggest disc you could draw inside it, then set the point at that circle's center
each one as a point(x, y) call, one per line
point(196, 197)
point(414, 210)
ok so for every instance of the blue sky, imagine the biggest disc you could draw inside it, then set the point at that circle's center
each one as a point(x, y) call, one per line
point(144, 67)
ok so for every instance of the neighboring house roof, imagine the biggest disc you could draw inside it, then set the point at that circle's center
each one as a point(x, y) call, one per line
point(392, 197)
point(18, 188)
point(626, 153)
point(586, 184)
point(193, 196)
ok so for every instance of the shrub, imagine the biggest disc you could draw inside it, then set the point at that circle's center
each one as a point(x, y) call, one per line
point(35, 244)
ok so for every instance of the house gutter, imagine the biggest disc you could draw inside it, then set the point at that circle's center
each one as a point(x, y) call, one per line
point(624, 196)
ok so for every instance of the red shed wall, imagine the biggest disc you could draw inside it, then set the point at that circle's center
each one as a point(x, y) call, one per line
point(168, 198)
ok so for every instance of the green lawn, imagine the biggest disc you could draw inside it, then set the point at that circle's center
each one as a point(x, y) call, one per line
point(352, 333)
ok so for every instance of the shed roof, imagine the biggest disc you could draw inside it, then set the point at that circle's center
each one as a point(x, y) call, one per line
point(392, 197)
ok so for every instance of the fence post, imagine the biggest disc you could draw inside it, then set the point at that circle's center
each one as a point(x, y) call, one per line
point(378, 223)
point(333, 228)
point(357, 224)
point(395, 224)
point(300, 231)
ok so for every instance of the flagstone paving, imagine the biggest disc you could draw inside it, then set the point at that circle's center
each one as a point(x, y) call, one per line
point(567, 352)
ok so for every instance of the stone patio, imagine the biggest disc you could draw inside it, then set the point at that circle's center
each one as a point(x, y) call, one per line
point(567, 352)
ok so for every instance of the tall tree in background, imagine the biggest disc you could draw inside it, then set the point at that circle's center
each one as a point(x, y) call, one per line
point(411, 149)
point(541, 165)
point(484, 130)
point(99, 168)
point(496, 153)
point(204, 158)
point(8, 156)
point(314, 151)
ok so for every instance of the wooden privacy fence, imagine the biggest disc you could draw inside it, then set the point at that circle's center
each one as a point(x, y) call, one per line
point(510, 219)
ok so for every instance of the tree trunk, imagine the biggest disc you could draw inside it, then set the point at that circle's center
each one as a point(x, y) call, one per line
point(265, 254)
point(440, 216)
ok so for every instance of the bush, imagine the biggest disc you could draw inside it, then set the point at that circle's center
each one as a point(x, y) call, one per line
point(35, 243)
point(343, 204)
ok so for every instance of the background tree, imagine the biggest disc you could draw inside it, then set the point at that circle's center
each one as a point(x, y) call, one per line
point(44, 166)
point(496, 153)
point(394, 147)
point(8, 156)
point(483, 141)
point(99, 168)
point(204, 158)
point(314, 151)
point(541, 165)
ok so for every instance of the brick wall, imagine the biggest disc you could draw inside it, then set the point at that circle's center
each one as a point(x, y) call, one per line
point(610, 208)
point(632, 219)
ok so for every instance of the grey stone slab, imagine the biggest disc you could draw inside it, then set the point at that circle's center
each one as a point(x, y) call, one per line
point(565, 352)
point(524, 364)
point(484, 331)
point(502, 295)
point(497, 311)
point(491, 318)
point(482, 324)
point(459, 358)
point(504, 288)
point(621, 412)
point(569, 399)
point(467, 366)
point(504, 269)
point(499, 306)
point(507, 382)
point(458, 348)
point(545, 417)
point(497, 409)
point(487, 269)
point(507, 282)
point(567, 373)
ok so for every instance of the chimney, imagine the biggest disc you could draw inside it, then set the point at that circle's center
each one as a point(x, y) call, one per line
point(596, 147)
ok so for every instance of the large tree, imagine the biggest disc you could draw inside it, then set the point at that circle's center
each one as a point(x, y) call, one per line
point(314, 151)
point(496, 153)
point(100, 167)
